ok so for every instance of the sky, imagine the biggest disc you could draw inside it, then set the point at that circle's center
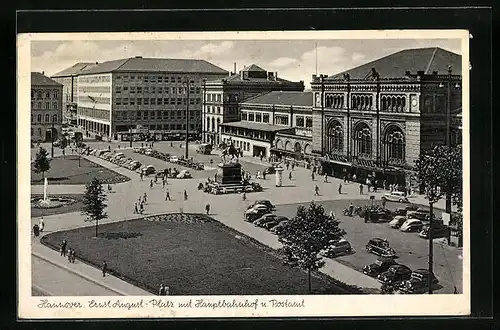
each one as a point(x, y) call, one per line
point(293, 59)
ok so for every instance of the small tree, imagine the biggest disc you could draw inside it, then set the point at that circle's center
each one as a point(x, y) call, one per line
point(94, 203)
point(42, 162)
point(306, 235)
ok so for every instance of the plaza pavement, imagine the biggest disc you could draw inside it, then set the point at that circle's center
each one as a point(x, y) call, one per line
point(121, 205)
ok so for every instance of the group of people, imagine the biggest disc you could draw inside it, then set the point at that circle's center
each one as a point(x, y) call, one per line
point(69, 252)
point(139, 206)
point(38, 228)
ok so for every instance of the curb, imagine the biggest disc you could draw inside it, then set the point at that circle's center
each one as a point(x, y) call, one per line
point(85, 277)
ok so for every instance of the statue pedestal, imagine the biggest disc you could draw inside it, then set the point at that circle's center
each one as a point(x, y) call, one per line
point(228, 173)
point(279, 177)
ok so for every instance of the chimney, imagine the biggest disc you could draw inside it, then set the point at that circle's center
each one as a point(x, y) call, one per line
point(43, 73)
point(234, 67)
point(230, 74)
point(276, 75)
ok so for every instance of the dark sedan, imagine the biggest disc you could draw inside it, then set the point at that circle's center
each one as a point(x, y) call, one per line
point(379, 266)
point(395, 274)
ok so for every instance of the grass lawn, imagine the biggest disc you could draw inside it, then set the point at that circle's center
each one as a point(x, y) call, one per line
point(73, 207)
point(192, 258)
point(66, 171)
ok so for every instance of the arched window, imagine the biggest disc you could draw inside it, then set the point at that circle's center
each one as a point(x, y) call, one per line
point(39, 132)
point(47, 118)
point(335, 137)
point(39, 118)
point(218, 123)
point(297, 147)
point(213, 124)
point(394, 145)
point(54, 118)
point(362, 141)
point(208, 124)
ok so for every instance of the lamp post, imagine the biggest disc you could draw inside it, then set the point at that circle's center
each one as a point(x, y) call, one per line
point(188, 86)
point(203, 125)
point(448, 132)
point(52, 138)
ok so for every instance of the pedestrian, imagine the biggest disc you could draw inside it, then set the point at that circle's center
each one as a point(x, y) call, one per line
point(312, 176)
point(340, 188)
point(156, 179)
point(361, 189)
point(36, 230)
point(171, 145)
point(326, 177)
point(207, 208)
point(73, 256)
point(316, 191)
point(185, 195)
point(41, 225)
point(163, 183)
point(139, 200)
point(142, 175)
point(161, 291)
point(244, 196)
point(104, 268)
point(70, 253)
point(368, 183)
point(135, 209)
point(293, 166)
point(145, 198)
point(151, 184)
point(384, 184)
point(264, 175)
point(290, 176)
point(351, 209)
point(141, 208)
point(384, 201)
point(287, 165)
point(64, 244)
point(332, 215)
point(261, 156)
point(167, 196)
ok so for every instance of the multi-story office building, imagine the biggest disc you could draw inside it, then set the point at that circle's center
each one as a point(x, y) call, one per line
point(274, 117)
point(68, 78)
point(46, 107)
point(147, 93)
point(223, 96)
point(376, 119)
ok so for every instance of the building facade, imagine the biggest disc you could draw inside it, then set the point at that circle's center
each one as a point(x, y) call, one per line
point(375, 120)
point(148, 93)
point(266, 117)
point(222, 97)
point(46, 108)
point(68, 78)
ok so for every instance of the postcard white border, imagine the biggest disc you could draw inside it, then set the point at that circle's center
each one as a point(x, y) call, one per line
point(345, 305)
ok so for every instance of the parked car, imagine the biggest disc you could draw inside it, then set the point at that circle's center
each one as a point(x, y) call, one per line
point(397, 221)
point(404, 210)
point(184, 174)
point(379, 266)
point(253, 214)
point(146, 170)
point(148, 152)
point(380, 247)
point(395, 274)
point(271, 224)
point(337, 247)
point(419, 214)
point(276, 229)
point(173, 159)
point(259, 206)
point(266, 203)
point(418, 282)
point(396, 196)
point(268, 217)
point(411, 225)
point(438, 231)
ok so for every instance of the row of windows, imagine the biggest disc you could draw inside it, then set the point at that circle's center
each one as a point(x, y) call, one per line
point(247, 133)
point(47, 119)
point(361, 102)
point(156, 89)
point(47, 94)
point(156, 101)
point(171, 114)
point(94, 89)
point(94, 79)
point(94, 113)
point(281, 120)
point(44, 106)
point(94, 99)
point(153, 79)
point(393, 103)
point(210, 97)
point(158, 127)
point(301, 121)
point(212, 109)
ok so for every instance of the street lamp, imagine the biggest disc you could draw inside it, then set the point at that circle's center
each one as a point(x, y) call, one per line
point(188, 85)
point(203, 125)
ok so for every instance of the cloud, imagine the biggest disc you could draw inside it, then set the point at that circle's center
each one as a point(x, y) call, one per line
point(282, 62)
point(357, 57)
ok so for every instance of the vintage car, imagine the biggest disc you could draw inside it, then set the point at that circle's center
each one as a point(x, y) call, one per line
point(205, 149)
point(256, 206)
point(395, 274)
point(404, 210)
point(265, 202)
point(268, 217)
point(173, 159)
point(184, 174)
point(253, 214)
point(438, 231)
point(337, 247)
point(146, 170)
point(418, 282)
point(376, 214)
point(379, 266)
point(419, 214)
point(396, 196)
point(380, 247)
point(271, 224)
point(397, 221)
point(276, 229)
point(148, 152)
point(411, 225)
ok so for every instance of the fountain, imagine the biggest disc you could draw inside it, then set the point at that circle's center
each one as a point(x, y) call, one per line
point(48, 203)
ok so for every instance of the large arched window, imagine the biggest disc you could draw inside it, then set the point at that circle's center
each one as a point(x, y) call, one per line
point(394, 144)
point(362, 141)
point(47, 118)
point(213, 124)
point(297, 148)
point(208, 124)
point(335, 137)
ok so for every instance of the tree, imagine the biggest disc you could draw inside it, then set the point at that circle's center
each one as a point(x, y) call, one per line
point(306, 235)
point(42, 162)
point(440, 172)
point(94, 203)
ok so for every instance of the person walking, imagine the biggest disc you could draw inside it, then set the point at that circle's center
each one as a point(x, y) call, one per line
point(185, 195)
point(167, 196)
point(312, 176)
point(161, 291)
point(36, 230)
point(141, 208)
point(70, 253)
point(326, 177)
point(207, 208)
point(351, 209)
point(264, 175)
point(73, 256)
point(141, 175)
point(145, 198)
point(361, 189)
point(135, 209)
point(64, 244)
point(163, 183)
point(41, 225)
point(151, 184)
point(290, 176)
point(340, 188)
point(104, 268)
point(287, 165)
point(244, 196)
point(316, 191)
